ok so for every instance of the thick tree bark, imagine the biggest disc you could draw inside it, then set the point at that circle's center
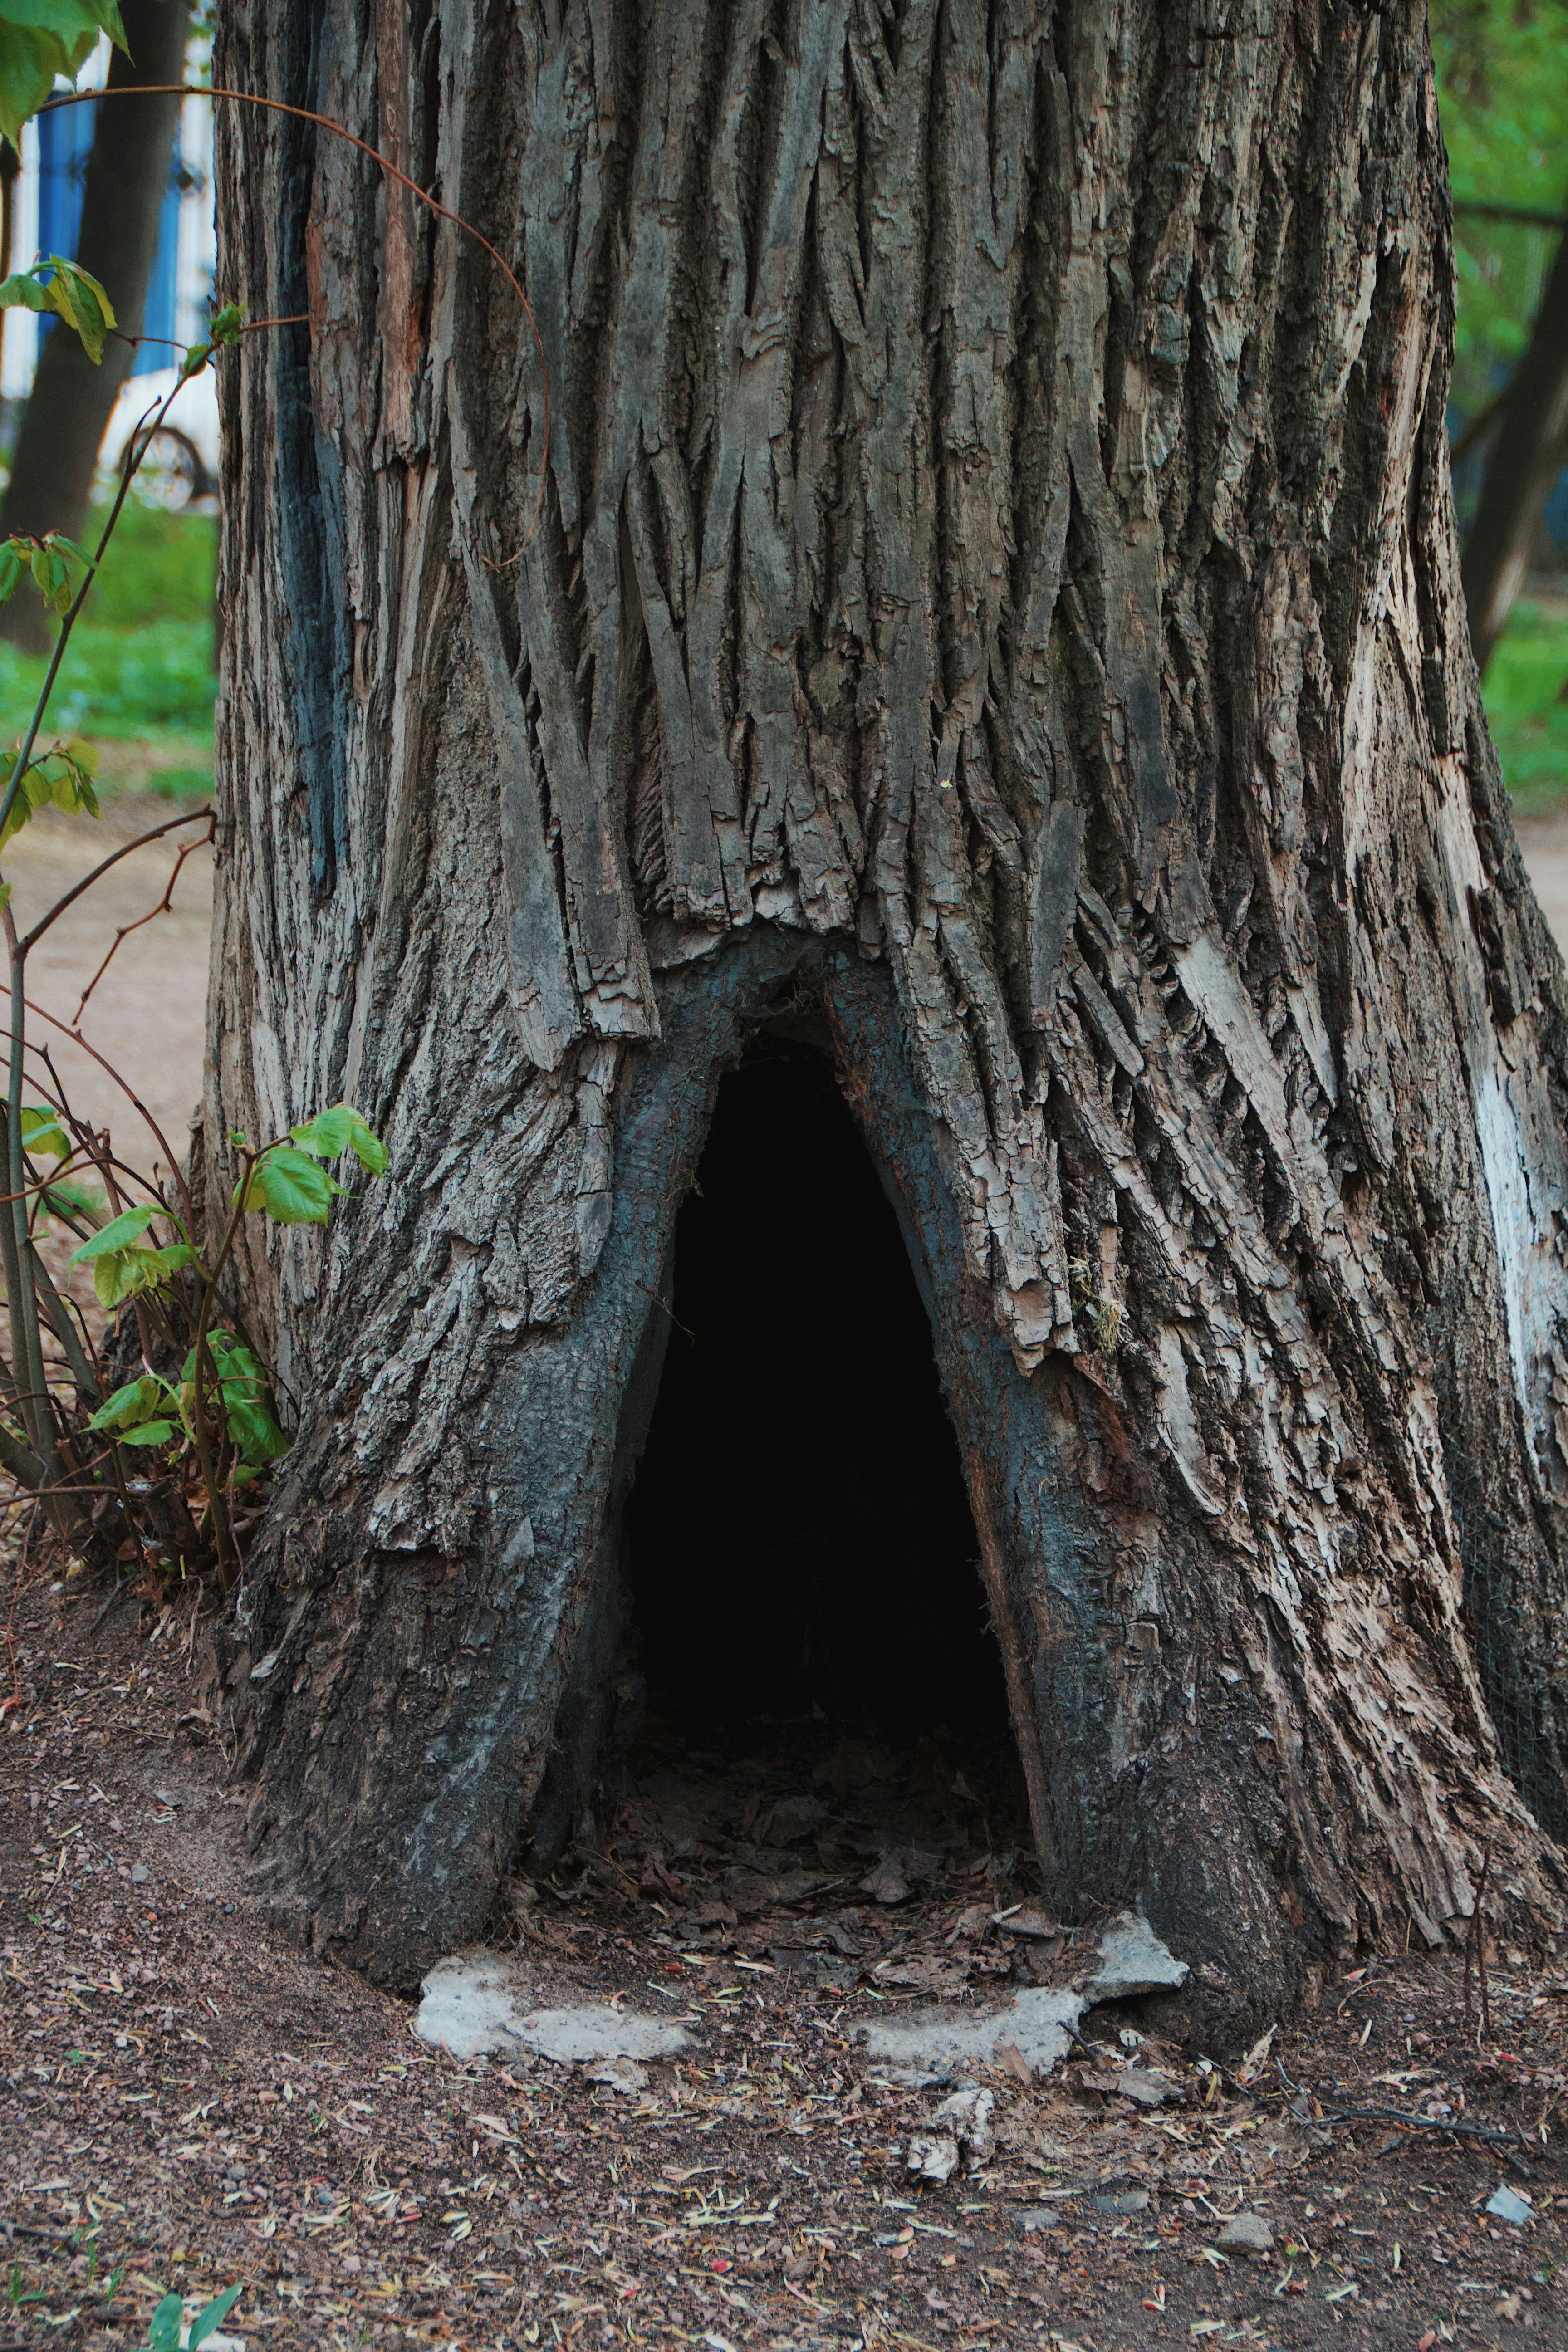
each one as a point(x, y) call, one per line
point(122, 198)
point(996, 592)
point(1527, 457)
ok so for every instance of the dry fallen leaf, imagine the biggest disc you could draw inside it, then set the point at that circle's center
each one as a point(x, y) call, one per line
point(1011, 2061)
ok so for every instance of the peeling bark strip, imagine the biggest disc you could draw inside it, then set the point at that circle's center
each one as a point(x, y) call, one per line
point(998, 585)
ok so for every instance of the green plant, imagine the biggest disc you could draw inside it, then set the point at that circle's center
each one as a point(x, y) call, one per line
point(197, 1409)
point(66, 289)
point(14, 2290)
point(41, 38)
point(1527, 709)
point(168, 2320)
point(199, 1404)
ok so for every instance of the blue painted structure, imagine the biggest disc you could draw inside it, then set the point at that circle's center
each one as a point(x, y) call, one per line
point(65, 142)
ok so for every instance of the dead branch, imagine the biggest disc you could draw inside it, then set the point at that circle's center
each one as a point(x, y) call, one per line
point(165, 905)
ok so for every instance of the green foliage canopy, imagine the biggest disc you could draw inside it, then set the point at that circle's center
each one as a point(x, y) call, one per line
point(1503, 94)
point(41, 38)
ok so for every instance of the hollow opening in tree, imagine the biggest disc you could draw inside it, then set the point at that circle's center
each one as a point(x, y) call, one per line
point(799, 1540)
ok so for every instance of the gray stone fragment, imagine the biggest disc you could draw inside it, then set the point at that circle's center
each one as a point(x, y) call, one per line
point(1039, 2217)
point(477, 2002)
point(932, 2156)
point(887, 1882)
point(967, 2115)
point(618, 2075)
point(1121, 2200)
point(1245, 2233)
point(1133, 1960)
point(1130, 2082)
point(923, 2046)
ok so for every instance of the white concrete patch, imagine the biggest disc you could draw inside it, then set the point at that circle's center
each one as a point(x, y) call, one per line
point(928, 2045)
point(478, 2001)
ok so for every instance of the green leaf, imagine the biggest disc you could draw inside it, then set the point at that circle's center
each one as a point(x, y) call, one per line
point(254, 1432)
point(81, 302)
point(119, 1276)
point(42, 1131)
point(37, 42)
point(69, 1197)
point(173, 1259)
point(150, 1432)
point(212, 2315)
point(13, 568)
point(291, 1188)
point(332, 1132)
point(136, 1401)
point(242, 1387)
point(164, 2335)
point(232, 1358)
point(227, 327)
point(119, 1229)
point(21, 292)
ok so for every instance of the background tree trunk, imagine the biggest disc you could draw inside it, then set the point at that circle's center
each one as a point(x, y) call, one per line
point(1526, 459)
point(70, 402)
point(997, 594)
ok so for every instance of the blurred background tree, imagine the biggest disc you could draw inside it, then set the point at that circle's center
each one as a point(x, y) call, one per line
point(1502, 80)
point(56, 453)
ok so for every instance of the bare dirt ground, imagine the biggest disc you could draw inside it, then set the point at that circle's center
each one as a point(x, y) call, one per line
point(188, 2100)
point(1544, 841)
point(191, 2101)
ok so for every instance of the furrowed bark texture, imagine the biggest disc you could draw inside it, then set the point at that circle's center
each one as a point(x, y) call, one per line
point(996, 588)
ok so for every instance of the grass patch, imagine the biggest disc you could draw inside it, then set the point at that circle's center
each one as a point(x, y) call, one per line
point(138, 680)
point(1525, 709)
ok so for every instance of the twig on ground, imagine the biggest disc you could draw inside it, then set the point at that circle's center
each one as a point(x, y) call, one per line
point(1504, 2139)
point(123, 1586)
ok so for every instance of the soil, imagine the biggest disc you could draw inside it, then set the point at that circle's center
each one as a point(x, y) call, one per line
point(188, 2099)
point(191, 2100)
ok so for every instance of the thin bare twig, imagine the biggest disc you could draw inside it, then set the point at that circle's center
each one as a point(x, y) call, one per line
point(421, 195)
point(157, 833)
point(1503, 2139)
point(126, 1090)
point(165, 905)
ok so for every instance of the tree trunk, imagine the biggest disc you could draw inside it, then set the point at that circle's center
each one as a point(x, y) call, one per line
point(996, 594)
point(1527, 457)
point(68, 407)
